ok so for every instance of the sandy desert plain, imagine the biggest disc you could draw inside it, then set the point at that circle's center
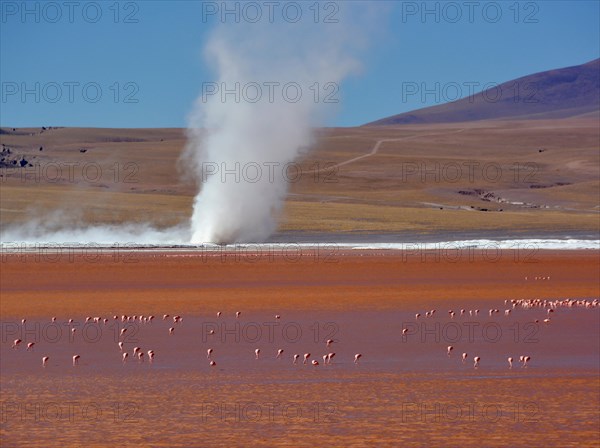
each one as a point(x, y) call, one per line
point(534, 178)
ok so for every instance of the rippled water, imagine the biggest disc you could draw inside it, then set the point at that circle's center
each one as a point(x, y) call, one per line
point(404, 392)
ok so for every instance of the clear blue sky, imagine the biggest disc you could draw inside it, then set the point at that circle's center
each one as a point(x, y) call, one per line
point(157, 48)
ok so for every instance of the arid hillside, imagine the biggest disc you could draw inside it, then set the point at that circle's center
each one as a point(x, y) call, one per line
point(526, 175)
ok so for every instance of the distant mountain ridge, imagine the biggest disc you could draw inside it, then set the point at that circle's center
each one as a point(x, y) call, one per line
point(558, 93)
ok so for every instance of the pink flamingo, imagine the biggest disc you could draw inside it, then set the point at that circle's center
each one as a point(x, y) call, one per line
point(329, 342)
point(464, 357)
point(30, 346)
point(510, 361)
point(151, 355)
point(279, 353)
point(124, 357)
point(76, 360)
point(45, 360)
point(330, 357)
point(136, 350)
point(208, 353)
point(141, 356)
point(450, 348)
point(238, 314)
point(357, 357)
point(257, 353)
point(218, 314)
point(16, 343)
point(476, 361)
point(296, 359)
point(315, 362)
point(171, 330)
point(121, 346)
point(306, 356)
point(212, 363)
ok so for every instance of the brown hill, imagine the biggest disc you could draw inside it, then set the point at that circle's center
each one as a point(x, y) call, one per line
point(560, 93)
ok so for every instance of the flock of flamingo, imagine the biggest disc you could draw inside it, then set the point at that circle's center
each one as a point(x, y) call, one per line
point(549, 305)
point(139, 353)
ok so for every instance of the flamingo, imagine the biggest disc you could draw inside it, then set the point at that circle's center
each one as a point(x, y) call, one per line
point(257, 353)
point(218, 314)
point(23, 321)
point(464, 357)
point(121, 346)
point(417, 316)
point(70, 321)
point(45, 360)
point(296, 359)
point(208, 353)
point(476, 361)
point(171, 330)
point(73, 330)
point(30, 346)
point(357, 357)
point(76, 360)
point(279, 353)
point(510, 361)
point(450, 348)
point(314, 362)
point(136, 350)
point(404, 330)
point(165, 316)
point(306, 356)
point(325, 359)
point(330, 357)
point(329, 342)
point(16, 343)
point(123, 331)
point(238, 314)
point(141, 356)
point(525, 360)
point(151, 355)
point(212, 363)
point(211, 332)
point(277, 316)
point(124, 357)
point(54, 319)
